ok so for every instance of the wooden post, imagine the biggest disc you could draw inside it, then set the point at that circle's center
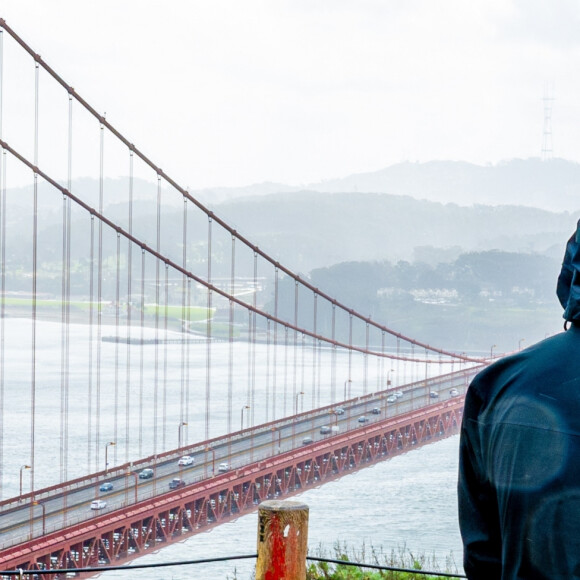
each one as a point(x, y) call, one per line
point(282, 540)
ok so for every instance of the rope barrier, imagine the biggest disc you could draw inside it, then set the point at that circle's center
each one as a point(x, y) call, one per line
point(101, 569)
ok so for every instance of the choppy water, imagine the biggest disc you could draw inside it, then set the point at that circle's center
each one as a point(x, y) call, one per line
point(407, 502)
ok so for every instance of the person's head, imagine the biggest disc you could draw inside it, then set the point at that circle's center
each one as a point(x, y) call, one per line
point(568, 288)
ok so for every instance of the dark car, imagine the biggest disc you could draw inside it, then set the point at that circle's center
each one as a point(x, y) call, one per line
point(176, 483)
point(376, 411)
point(324, 430)
point(434, 394)
point(146, 473)
point(107, 486)
point(362, 419)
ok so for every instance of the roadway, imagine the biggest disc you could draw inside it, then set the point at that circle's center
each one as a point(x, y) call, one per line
point(20, 521)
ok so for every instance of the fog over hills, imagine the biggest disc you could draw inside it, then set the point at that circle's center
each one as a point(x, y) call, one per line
point(310, 229)
point(553, 185)
point(428, 212)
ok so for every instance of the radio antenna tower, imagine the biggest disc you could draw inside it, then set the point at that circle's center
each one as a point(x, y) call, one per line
point(547, 146)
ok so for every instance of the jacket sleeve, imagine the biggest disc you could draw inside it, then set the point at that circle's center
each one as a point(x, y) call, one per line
point(478, 514)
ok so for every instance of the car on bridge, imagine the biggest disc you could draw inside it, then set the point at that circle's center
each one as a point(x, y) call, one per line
point(324, 430)
point(307, 441)
point(223, 467)
point(454, 392)
point(106, 486)
point(98, 504)
point(147, 473)
point(398, 394)
point(186, 460)
point(176, 483)
point(339, 410)
point(362, 419)
point(392, 399)
point(376, 411)
point(434, 394)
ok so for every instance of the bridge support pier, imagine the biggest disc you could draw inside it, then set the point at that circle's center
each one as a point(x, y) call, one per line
point(282, 540)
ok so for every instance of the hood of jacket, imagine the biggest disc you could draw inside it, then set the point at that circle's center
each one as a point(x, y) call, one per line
point(568, 288)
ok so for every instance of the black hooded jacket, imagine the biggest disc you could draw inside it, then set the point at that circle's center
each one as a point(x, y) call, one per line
point(519, 468)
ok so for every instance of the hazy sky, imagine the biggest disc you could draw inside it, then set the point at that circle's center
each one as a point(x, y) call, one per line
point(233, 92)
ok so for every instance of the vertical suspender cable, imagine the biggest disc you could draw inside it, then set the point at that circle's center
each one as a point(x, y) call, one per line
point(366, 359)
point(209, 331)
point(142, 352)
point(302, 370)
point(398, 366)
point(382, 384)
point(315, 331)
point(187, 352)
point(249, 366)
point(67, 283)
point(129, 315)
point(254, 330)
point(319, 366)
point(34, 290)
point(295, 349)
point(333, 362)
point(2, 265)
point(268, 343)
point(231, 336)
point(100, 293)
point(249, 394)
point(166, 337)
point(63, 329)
point(349, 379)
point(184, 326)
point(116, 371)
point(275, 356)
point(90, 418)
point(157, 305)
point(286, 374)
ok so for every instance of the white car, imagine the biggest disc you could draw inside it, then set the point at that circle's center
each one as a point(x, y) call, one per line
point(98, 504)
point(454, 392)
point(398, 394)
point(391, 399)
point(223, 467)
point(186, 460)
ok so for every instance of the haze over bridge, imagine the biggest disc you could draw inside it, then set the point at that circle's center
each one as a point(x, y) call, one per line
point(126, 343)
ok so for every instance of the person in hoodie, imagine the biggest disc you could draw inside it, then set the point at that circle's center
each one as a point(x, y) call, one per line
point(519, 459)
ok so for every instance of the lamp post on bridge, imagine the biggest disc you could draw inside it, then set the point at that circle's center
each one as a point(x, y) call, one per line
point(109, 444)
point(389, 377)
point(128, 473)
point(242, 416)
point(212, 460)
point(43, 515)
point(182, 424)
point(333, 412)
point(491, 350)
point(21, 469)
point(345, 382)
point(296, 402)
point(520, 343)
point(274, 429)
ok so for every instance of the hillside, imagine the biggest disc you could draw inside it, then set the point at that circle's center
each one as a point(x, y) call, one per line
point(552, 185)
point(307, 229)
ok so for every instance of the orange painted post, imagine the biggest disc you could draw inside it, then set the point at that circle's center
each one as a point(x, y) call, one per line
point(282, 540)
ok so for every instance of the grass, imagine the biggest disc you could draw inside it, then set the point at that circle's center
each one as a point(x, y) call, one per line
point(401, 558)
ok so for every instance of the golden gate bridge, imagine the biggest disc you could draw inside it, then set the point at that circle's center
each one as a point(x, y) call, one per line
point(159, 372)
